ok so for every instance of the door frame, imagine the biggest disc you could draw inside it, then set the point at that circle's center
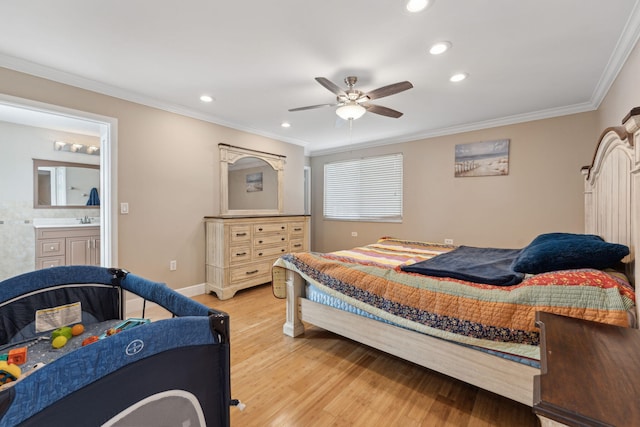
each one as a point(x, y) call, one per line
point(108, 130)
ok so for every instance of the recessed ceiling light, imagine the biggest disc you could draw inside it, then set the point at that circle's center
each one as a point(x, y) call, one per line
point(439, 48)
point(458, 77)
point(285, 124)
point(415, 6)
point(206, 98)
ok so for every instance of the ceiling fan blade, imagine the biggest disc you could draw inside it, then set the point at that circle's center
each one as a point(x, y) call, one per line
point(311, 107)
point(330, 86)
point(383, 111)
point(388, 90)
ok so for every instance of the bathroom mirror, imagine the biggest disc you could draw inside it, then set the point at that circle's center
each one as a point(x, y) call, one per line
point(59, 185)
point(251, 182)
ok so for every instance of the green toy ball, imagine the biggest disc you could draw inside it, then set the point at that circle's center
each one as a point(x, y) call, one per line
point(65, 331)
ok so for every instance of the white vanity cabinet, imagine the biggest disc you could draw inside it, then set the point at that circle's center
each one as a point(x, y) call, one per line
point(241, 250)
point(57, 246)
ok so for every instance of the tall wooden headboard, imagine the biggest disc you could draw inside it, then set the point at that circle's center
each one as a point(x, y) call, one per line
point(612, 188)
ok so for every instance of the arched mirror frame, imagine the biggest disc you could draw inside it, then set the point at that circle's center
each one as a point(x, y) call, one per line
point(228, 156)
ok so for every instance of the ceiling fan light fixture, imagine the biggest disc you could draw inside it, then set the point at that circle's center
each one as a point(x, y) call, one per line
point(350, 111)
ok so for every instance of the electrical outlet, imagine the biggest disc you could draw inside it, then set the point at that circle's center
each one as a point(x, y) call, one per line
point(448, 241)
point(354, 234)
point(173, 265)
point(124, 208)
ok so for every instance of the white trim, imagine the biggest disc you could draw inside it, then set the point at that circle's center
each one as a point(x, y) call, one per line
point(621, 52)
point(134, 305)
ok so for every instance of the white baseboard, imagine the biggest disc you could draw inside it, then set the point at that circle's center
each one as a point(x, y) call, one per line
point(134, 305)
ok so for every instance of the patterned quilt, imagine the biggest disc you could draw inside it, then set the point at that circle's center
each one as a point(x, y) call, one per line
point(500, 318)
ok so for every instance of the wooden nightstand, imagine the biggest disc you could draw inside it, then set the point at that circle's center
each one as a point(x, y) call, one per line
point(590, 373)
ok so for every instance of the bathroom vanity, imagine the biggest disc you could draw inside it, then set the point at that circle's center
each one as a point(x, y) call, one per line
point(68, 242)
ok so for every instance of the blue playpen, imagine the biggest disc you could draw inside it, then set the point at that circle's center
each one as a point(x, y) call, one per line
point(173, 371)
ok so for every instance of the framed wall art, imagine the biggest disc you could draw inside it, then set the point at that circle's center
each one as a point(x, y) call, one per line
point(484, 158)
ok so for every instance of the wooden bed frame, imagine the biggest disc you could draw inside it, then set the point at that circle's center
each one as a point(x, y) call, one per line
point(612, 195)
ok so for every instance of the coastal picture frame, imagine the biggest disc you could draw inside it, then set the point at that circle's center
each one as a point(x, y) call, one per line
point(484, 158)
point(254, 182)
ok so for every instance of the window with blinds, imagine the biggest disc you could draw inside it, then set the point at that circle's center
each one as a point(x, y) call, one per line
point(368, 189)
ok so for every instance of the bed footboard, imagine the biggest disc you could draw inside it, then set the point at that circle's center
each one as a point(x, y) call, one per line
point(290, 285)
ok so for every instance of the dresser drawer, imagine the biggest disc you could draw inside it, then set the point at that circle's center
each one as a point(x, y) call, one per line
point(50, 261)
point(296, 245)
point(50, 247)
point(250, 272)
point(296, 229)
point(259, 242)
point(240, 233)
point(259, 229)
point(270, 252)
point(239, 254)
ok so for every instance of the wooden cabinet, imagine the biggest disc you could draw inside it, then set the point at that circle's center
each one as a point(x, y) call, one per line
point(589, 373)
point(57, 246)
point(241, 250)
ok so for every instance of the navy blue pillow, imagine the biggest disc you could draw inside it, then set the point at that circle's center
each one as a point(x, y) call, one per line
point(565, 251)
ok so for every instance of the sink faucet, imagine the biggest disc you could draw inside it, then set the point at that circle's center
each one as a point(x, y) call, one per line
point(85, 220)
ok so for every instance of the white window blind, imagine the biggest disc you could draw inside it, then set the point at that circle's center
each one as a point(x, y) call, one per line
point(368, 189)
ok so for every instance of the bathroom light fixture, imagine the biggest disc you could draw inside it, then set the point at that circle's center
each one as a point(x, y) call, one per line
point(206, 98)
point(76, 148)
point(440, 48)
point(285, 124)
point(350, 111)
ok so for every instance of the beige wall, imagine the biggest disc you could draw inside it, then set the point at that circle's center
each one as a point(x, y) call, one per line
point(542, 193)
point(168, 172)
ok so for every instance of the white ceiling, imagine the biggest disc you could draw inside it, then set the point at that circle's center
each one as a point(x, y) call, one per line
point(525, 59)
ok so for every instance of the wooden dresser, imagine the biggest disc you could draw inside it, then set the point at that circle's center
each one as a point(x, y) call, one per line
point(589, 374)
point(241, 250)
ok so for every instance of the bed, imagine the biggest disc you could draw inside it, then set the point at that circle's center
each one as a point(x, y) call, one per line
point(111, 371)
point(483, 334)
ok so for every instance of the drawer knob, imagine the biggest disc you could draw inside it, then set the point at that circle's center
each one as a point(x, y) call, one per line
point(241, 254)
point(259, 241)
point(281, 250)
point(252, 272)
point(260, 254)
point(260, 229)
point(297, 246)
point(282, 228)
point(51, 248)
point(297, 229)
point(282, 239)
point(240, 234)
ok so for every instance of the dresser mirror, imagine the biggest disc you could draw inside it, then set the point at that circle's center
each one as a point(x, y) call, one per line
point(65, 185)
point(251, 182)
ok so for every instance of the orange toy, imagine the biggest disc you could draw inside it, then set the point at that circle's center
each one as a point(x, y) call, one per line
point(17, 356)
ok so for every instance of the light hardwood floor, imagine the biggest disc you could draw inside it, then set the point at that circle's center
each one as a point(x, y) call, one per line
point(322, 379)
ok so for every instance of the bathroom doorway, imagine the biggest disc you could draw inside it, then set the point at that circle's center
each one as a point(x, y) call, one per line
point(17, 209)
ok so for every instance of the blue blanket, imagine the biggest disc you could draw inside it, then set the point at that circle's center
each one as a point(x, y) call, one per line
point(479, 265)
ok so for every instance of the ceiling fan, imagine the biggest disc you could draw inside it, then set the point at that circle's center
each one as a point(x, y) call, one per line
point(352, 103)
